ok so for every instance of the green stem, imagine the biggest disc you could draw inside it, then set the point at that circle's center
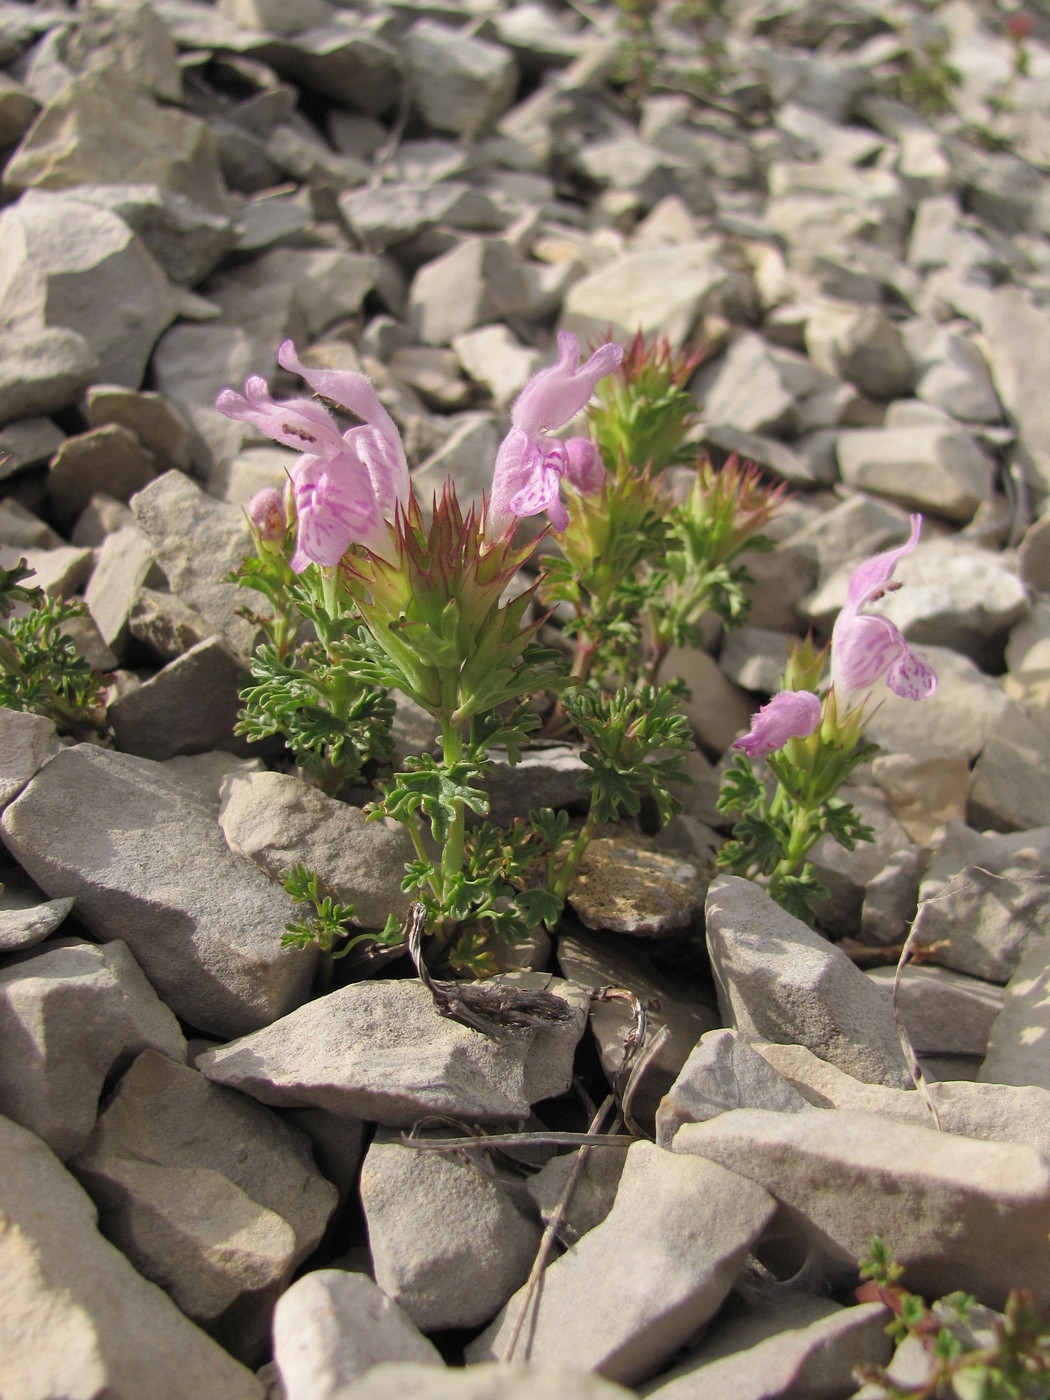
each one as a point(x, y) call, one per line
point(563, 879)
point(452, 852)
point(408, 821)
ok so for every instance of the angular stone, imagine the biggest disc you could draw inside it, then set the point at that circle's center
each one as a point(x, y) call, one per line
point(73, 142)
point(662, 291)
point(1007, 791)
point(109, 459)
point(493, 356)
point(278, 820)
point(955, 1213)
point(25, 921)
point(163, 622)
point(593, 1193)
point(478, 281)
point(379, 1051)
point(754, 388)
point(207, 1193)
point(188, 707)
point(1018, 1044)
point(121, 1336)
point(953, 375)
point(396, 212)
point(630, 890)
point(58, 572)
point(988, 1112)
point(944, 1012)
point(145, 860)
point(293, 291)
point(42, 369)
point(1018, 345)
point(70, 265)
point(848, 874)
point(716, 710)
point(794, 1345)
point(31, 441)
point(148, 415)
point(197, 541)
point(27, 742)
point(622, 1300)
point(449, 1243)
point(331, 1327)
point(779, 980)
point(460, 83)
point(72, 1016)
point(125, 563)
point(723, 1072)
point(934, 468)
point(860, 344)
point(925, 788)
point(984, 897)
point(186, 239)
point(850, 531)
point(393, 1380)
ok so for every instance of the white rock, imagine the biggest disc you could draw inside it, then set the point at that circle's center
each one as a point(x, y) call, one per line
point(1019, 1045)
point(634, 1288)
point(941, 469)
point(395, 1380)
point(944, 1012)
point(1007, 790)
point(461, 83)
point(860, 344)
point(332, 1326)
point(27, 742)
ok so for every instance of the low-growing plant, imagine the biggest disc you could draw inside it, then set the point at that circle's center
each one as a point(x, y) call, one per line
point(41, 669)
point(973, 1353)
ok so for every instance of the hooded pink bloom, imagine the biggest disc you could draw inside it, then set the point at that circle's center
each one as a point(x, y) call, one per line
point(864, 647)
point(347, 485)
point(791, 714)
point(530, 464)
point(266, 512)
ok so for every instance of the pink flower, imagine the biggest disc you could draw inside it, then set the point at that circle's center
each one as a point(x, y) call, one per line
point(347, 486)
point(530, 464)
point(792, 714)
point(866, 648)
point(267, 515)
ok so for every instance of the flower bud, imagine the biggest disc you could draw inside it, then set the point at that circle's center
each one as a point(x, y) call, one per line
point(267, 514)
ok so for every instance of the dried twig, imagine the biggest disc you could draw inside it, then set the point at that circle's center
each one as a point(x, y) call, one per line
point(484, 1007)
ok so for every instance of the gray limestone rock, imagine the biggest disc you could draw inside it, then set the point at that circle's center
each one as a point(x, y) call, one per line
point(940, 469)
point(68, 264)
point(794, 1345)
point(459, 82)
point(984, 897)
point(477, 281)
point(449, 1239)
point(331, 1327)
point(723, 1072)
point(25, 921)
point(955, 1213)
point(379, 1051)
point(72, 1016)
point(145, 859)
point(988, 1112)
point(848, 874)
point(197, 541)
point(622, 1300)
point(925, 788)
point(165, 624)
point(1007, 788)
point(860, 344)
point(207, 1192)
point(146, 414)
point(1018, 1044)
point(121, 1335)
point(42, 369)
point(103, 129)
point(1017, 341)
point(109, 459)
point(27, 742)
point(393, 1380)
point(31, 441)
point(278, 820)
point(944, 1012)
point(661, 291)
point(958, 718)
point(779, 980)
point(755, 387)
point(125, 563)
point(190, 706)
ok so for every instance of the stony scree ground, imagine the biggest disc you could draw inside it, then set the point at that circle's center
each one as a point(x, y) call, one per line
point(205, 1190)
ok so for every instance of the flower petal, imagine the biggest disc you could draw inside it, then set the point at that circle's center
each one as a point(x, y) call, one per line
point(792, 714)
point(911, 677)
point(862, 651)
point(583, 465)
point(297, 423)
point(874, 574)
point(557, 393)
point(516, 459)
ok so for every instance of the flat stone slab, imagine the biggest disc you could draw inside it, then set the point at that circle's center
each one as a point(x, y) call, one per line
point(379, 1051)
point(954, 1212)
point(76, 1319)
point(143, 856)
point(637, 1286)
